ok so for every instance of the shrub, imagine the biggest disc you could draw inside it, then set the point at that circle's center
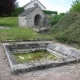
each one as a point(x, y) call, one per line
point(55, 19)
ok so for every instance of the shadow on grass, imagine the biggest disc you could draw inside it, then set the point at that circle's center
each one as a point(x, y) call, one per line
point(7, 25)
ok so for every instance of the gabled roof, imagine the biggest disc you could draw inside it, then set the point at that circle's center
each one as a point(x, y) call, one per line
point(27, 11)
point(32, 2)
point(28, 3)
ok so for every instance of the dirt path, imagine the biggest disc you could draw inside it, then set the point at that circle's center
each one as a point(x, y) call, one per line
point(68, 72)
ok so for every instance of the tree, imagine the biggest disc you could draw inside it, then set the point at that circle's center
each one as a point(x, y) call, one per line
point(7, 7)
point(75, 6)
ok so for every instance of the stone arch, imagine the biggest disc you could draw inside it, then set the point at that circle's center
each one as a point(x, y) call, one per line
point(37, 20)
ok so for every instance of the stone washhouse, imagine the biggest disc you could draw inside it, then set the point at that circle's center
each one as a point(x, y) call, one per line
point(32, 17)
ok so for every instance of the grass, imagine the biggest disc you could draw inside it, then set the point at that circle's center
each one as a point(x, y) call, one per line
point(34, 57)
point(67, 30)
point(16, 33)
point(9, 21)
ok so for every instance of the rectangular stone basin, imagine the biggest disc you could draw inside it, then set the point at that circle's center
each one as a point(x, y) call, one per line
point(30, 56)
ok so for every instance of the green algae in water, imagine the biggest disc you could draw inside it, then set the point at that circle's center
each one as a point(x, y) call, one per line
point(34, 56)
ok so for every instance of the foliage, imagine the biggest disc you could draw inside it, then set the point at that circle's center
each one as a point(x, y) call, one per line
point(50, 12)
point(55, 19)
point(18, 11)
point(7, 7)
point(67, 30)
point(75, 6)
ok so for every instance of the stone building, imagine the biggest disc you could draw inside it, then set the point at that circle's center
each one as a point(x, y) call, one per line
point(32, 17)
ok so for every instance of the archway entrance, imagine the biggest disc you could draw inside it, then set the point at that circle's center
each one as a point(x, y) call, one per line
point(37, 20)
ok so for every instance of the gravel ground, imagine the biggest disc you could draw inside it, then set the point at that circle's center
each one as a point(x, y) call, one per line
point(67, 72)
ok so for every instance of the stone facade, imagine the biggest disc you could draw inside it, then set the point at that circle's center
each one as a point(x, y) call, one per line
point(32, 17)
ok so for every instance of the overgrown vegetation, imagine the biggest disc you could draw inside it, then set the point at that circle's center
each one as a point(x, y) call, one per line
point(56, 18)
point(75, 6)
point(68, 28)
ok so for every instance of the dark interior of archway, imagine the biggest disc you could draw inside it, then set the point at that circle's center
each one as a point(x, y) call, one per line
point(37, 20)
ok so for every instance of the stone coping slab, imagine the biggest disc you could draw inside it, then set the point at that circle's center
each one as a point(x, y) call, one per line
point(66, 55)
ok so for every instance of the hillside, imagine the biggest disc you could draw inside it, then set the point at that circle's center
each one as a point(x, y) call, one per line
point(68, 28)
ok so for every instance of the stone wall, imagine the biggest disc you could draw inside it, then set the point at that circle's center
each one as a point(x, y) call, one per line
point(22, 21)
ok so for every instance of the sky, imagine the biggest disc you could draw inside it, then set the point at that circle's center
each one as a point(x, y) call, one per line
point(54, 5)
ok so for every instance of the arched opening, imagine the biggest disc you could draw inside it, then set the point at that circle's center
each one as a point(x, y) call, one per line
point(37, 20)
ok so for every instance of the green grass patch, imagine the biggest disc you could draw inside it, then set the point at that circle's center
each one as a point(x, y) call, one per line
point(9, 21)
point(34, 56)
point(17, 33)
